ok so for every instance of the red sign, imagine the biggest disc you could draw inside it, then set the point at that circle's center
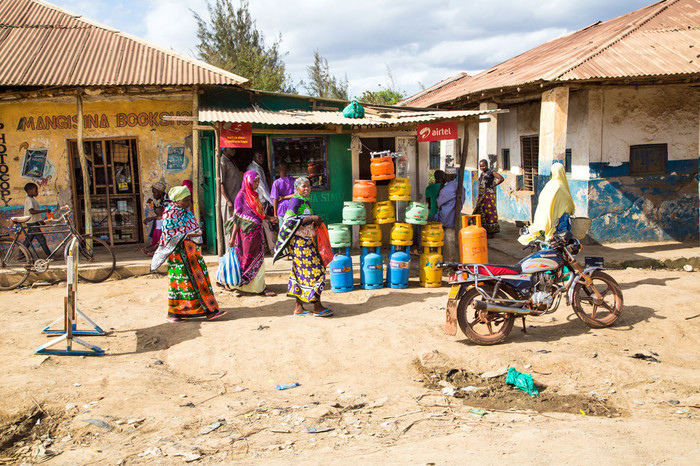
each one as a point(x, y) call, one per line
point(236, 135)
point(437, 131)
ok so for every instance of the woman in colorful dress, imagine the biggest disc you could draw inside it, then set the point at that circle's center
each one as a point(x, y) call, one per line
point(298, 238)
point(246, 227)
point(190, 293)
point(486, 202)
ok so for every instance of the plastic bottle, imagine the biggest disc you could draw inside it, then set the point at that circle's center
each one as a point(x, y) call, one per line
point(284, 386)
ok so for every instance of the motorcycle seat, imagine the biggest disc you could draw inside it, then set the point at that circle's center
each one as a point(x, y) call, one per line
point(497, 269)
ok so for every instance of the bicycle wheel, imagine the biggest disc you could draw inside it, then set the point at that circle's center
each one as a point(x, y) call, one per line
point(15, 264)
point(95, 264)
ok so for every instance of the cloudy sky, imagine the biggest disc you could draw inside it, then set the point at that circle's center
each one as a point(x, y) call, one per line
point(422, 42)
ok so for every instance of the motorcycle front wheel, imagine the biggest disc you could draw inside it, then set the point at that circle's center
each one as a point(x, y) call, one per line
point(595, 312)
point(482, 327)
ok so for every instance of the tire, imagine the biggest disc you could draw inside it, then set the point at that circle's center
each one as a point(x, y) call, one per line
point(481, 327)
point(15, 264)
point(598, 314)
point(95, 265)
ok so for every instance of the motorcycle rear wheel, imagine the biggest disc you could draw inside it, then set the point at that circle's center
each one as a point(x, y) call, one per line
point(589, 309)
point(481, 327)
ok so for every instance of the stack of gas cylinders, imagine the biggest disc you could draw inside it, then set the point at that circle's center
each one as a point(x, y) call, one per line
point(372, 263)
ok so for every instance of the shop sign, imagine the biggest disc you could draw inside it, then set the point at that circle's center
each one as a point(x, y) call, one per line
point(4, 170)
point(237, 135)
point(437, 131)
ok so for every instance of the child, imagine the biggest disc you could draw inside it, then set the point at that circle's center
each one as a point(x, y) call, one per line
point(157, 229)
point(31, 209)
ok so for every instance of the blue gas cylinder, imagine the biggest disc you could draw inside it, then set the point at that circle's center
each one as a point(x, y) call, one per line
point(372, 268)
point(341, 271)
point(397, 271)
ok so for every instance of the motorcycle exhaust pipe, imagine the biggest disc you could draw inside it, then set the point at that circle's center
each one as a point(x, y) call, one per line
point(489, 307)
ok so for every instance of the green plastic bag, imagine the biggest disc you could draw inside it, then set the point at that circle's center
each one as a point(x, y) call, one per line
point(522, 381)
point(354, 110)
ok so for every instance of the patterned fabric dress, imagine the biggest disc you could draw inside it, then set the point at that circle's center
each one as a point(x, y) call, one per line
point(486, 203)
point(307, 278)
point(190, 293)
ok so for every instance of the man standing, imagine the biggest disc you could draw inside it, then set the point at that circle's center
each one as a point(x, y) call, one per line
point(447, 199)
point(431, 193)
point(264, 194)
point(231, 180)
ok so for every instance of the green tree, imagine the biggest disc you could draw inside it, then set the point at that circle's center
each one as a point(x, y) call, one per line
point(231, 41)
point(387, 96)
point(322, 83)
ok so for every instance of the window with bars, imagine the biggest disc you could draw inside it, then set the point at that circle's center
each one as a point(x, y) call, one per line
point(567, 160)
point(530, 150)
point(434, 155)
point(506, 159)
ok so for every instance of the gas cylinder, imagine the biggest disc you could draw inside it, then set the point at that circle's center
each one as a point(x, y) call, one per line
point(397, 270)
point(364, 191)
point(417, 213)
point(430, 276)
point(384, 212)
point(472, 242)
point(370, 236)
point(339, 235)
point(341, 271)
point(382, 168)
point(433, 235)
point(402, 234)
point(354, 213)
point(400, 189)
point(371, 269)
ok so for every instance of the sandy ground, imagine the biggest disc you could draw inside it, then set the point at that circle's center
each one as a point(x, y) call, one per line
point(161, 386)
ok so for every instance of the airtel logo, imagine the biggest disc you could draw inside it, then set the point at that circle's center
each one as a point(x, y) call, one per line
point(424, 132)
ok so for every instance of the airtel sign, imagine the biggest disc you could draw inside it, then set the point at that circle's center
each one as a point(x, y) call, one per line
point(437, 131)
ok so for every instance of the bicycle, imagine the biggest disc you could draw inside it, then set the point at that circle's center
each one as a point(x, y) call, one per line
point(96, 261)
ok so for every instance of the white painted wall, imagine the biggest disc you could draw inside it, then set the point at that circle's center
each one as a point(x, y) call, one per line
point(508, 139)
point(578, 134)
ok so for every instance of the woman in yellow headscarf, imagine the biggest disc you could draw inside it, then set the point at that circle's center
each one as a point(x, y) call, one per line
point(555, 200)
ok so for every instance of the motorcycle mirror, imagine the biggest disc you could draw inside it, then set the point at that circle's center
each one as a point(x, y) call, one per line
point(524, 231)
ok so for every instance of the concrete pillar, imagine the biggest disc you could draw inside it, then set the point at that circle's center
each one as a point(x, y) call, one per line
point(488, 134)
point(554, 113)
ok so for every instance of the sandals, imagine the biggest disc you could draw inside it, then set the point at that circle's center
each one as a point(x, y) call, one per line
point(216, 315)
point(268, 293)
point(174, 320)
point(302, 313)
point(324, 313)
point(225, 287)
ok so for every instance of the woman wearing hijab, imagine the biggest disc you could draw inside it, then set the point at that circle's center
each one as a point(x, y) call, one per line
point(554, 205)
point(247, 236)
point(298, 238)
point(190, 293)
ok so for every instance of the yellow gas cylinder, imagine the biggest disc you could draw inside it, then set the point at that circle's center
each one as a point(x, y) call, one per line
point(400, 189)
point(432, 235)
point(402, 234)
point(430, 275)
point(384, 212)
point(472, 242)
point(370, 236)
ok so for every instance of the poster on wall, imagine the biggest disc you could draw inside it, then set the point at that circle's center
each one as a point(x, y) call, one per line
point(437, 131)
point(176, 158)
point(34, 163)
point(236, 135)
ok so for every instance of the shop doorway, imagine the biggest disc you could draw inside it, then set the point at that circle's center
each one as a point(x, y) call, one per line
point(114, 189)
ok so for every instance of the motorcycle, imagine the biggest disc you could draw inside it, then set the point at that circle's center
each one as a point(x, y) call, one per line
point(486, 299)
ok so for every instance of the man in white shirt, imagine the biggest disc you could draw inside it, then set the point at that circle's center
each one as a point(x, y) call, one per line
point(264, 194)
point(33, 210)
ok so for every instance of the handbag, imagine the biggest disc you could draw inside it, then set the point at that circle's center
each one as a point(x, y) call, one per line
point(324, 244)
point(229, 272)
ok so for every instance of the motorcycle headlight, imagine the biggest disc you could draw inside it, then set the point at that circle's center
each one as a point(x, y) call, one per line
point(574, 247)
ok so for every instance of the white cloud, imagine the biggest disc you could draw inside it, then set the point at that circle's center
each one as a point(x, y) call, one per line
point(170, 24)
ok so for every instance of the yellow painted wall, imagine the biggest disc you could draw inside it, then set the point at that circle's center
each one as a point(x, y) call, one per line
point(48, 124)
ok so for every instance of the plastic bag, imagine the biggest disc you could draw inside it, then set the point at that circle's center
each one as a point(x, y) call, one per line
point(229, 272)
point(354, 110)
point(324, 244)
point(522, 381)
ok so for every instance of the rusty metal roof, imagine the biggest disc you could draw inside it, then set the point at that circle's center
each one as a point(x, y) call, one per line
point(43, 45)
point(662, 39)
point(381, 118)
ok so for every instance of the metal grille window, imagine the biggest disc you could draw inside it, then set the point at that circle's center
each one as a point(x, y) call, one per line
point(648, 159)
point(506, 159)
point(567, 160)
point(434, 155)
point(530, 159)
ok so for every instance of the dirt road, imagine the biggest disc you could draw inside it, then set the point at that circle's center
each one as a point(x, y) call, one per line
point(370, 381)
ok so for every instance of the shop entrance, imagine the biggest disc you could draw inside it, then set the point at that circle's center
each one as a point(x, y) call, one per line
point(114, 189)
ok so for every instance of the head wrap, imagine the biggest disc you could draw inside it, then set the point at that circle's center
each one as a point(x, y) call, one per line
point(179, 193)
point(188, 184)
point(248, 197)
point(160, 186)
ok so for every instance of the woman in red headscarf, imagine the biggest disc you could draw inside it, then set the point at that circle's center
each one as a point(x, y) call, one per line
point(247, 236)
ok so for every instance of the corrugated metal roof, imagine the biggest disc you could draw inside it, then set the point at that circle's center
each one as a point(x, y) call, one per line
point(318, 118)
point(660, 39)
point(43, 45)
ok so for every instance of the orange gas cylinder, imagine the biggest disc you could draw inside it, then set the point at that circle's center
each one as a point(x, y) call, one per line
point(382, 168)
point(472, 242)
point(364, 191)
point(400, 189)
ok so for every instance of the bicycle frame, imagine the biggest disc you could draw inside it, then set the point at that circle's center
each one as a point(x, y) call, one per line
point(66, 226)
